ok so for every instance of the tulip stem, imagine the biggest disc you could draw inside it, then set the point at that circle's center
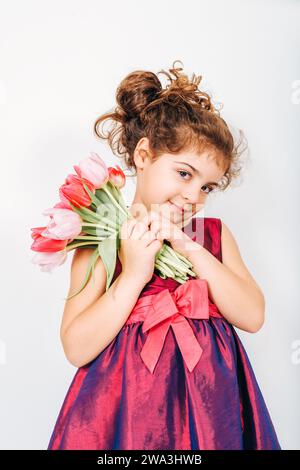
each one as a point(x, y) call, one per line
point(173, 262)
point(75, 245)
point(87, 224)
point(113, 199)
point(163, 268)
point(109, 222)
point(83, 237)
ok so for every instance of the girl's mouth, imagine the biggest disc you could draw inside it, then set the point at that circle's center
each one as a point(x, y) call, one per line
point(179, 209)
point(185, 213)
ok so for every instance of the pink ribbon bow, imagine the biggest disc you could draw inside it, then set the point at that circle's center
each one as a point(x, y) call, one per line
point(170, 310)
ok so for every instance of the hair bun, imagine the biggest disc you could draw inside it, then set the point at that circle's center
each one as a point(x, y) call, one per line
point(135, 92)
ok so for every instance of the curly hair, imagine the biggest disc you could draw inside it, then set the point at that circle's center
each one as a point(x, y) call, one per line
point(175, 118)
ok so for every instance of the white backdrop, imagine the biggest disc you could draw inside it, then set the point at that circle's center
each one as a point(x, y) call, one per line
point(61, 62)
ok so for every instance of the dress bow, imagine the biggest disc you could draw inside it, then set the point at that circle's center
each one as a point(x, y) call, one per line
point(170, 309)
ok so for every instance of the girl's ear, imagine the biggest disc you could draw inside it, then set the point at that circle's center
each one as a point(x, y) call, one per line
point(141, 153)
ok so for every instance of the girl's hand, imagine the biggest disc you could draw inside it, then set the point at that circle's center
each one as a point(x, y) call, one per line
point(138, 249)
point(165, 229)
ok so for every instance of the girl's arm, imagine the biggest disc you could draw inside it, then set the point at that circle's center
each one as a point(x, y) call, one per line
point(93, 318)
point(230, 284)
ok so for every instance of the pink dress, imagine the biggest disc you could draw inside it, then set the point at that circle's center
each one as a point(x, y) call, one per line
point(175, 377)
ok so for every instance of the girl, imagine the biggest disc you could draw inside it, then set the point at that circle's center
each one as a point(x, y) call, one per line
point(160, 365)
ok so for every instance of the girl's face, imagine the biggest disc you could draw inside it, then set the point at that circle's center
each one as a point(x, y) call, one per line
point(183, 180)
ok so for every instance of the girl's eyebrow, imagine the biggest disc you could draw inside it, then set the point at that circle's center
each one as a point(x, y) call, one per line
point(197, 171)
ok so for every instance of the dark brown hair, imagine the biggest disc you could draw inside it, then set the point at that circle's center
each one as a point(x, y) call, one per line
point(176, 118)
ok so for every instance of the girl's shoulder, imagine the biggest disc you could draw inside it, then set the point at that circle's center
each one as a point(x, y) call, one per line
point(215, 235)
point(220, 239)
point(231, 254)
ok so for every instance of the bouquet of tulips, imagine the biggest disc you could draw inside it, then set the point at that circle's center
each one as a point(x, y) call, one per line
point(90, 212)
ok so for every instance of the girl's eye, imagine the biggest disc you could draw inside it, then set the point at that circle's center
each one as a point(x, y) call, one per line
point(186, 172)
point(210, 189)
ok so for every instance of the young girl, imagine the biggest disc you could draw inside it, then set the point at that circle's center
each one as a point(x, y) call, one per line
point(160, 365)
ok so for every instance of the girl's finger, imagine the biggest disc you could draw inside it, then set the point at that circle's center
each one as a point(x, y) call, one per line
point(148, 236)
point(163, 235)
point(127, 227)
point(155, 226)
point(160, 225)
point(153, 215)
point(138, 230)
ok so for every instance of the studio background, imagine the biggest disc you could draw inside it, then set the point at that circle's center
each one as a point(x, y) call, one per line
point(61, 62)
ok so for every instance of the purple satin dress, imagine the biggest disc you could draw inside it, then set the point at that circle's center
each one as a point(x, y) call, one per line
point(115, 402)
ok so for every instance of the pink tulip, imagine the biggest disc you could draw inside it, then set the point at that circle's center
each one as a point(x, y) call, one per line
point(73, 191)
point(64, 224)
point(62, 205)
point(116, 176)
point(93, 169)
point(49, 261)
point(43, 244)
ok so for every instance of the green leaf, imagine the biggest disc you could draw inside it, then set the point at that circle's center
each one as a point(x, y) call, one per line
point(114, 191)
point(86, 214)
point(106, 210)
point(108, 251)
point(103, 197)
point(117, 194)
point(96, 231)
point(75, 243)
point(90, 231)
point(109, 210)
point(94, 198)
point(93, 259)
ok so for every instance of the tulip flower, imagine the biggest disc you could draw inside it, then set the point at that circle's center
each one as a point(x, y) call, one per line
point(93, 169)
point(73, 191)
point(62, 205)
point(41, 243)
point(116, 176)
point(49, 261)
point(64, 224)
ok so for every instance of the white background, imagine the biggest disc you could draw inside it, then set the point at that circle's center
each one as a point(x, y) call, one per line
point(61, 62)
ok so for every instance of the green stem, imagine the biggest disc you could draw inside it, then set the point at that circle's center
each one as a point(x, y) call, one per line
point(172, 252)
point(89, 238)
point(109, 222)
point(180, 268)
point(93, 216)
point(179, 265)
point(165, 269)
point(110, 229)
point(183, 258)
point(75, 245)
point(117, 194)
point(178, 256)
point(113, 199)
point(179, 279)
point(100, 218)
point(89, 225)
